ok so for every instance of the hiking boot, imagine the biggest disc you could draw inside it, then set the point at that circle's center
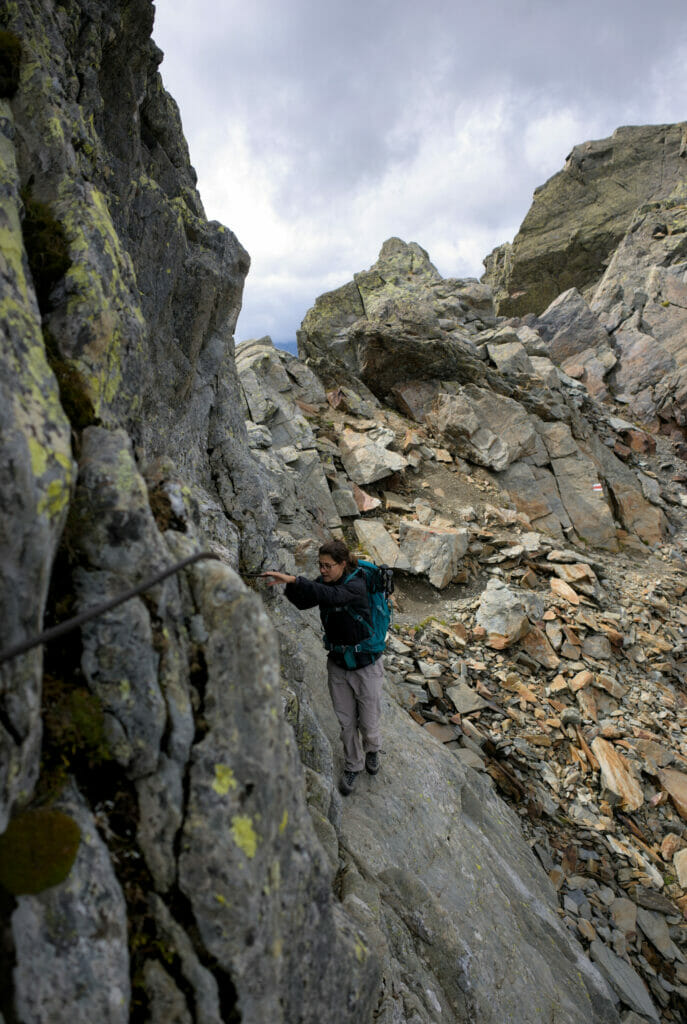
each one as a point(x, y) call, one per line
point(372, 762)
point(347, 782)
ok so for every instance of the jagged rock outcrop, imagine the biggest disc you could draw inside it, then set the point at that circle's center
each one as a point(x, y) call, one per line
point(398, 321)
point(625, 337)
point(627, 343)
point(36, 472)
point(580, 215)
point(505, 417)
point(642, 300)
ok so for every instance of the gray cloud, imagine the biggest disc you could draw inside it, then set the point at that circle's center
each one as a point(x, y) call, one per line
point(318, 129)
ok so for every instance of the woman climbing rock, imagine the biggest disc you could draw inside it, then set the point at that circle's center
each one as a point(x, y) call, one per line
point(355, 672)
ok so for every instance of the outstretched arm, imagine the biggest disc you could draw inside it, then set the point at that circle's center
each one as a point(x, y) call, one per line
point(274, 577)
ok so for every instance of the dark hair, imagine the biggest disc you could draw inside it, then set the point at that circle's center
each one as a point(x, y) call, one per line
point(337, 550)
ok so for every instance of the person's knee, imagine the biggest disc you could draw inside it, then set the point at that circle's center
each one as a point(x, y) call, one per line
point(346, 720)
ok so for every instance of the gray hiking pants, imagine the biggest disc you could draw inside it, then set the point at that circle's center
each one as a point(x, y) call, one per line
point(357, 698)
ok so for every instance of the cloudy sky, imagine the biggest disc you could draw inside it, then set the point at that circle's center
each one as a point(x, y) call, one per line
point(319, 128)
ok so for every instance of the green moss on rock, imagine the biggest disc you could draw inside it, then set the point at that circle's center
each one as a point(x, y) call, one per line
point(46, 246)
point(10, 63)
point(74, 396)
point(37, 851)
point(74, 725)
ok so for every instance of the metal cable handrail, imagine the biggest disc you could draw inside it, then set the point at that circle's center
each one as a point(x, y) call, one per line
point(91, 613)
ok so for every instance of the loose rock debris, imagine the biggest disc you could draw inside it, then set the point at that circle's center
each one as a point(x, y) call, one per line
point(570, 692)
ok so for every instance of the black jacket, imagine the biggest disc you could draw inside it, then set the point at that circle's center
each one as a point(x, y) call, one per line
point(339, 625)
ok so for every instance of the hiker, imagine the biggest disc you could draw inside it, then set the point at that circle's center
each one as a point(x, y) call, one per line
point(355, 677)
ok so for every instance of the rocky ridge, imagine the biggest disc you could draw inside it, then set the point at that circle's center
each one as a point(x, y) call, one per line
point(173, 843)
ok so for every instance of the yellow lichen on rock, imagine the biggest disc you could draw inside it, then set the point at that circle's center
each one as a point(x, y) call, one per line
point(244, 834)
point(102, 297)
point(224, 779)
point(37, 415)
point(55, 500)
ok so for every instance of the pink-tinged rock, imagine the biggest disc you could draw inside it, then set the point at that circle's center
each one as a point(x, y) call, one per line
point(616, 775)
point(653, 754)
point(680, 865)
point(590, 369)
point(642, 361)
point(610, 685)
point(581, 679)
point(577, 478)
point(670, 845)
point(587, 705)
point(415, 398)
point(640, 441)
point(675, 785)
point(364, 501)
point(564, 590)
point(538, 647)
point(636, 514)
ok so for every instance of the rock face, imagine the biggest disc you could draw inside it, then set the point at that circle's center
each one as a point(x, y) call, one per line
point(34, 438)
point(641, 298)
point(185, 731)
point(580, 215)
point(639, 304)
point(624, 338)
point(122, 342)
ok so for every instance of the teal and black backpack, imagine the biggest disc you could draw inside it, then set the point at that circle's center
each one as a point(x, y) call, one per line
point(380, 585)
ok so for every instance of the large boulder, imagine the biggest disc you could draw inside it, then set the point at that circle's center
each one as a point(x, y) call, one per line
point(367, 458)
point(433, 550)
point(502, 614)
point(376, 542)
point(398, 321)
point(580, 215)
